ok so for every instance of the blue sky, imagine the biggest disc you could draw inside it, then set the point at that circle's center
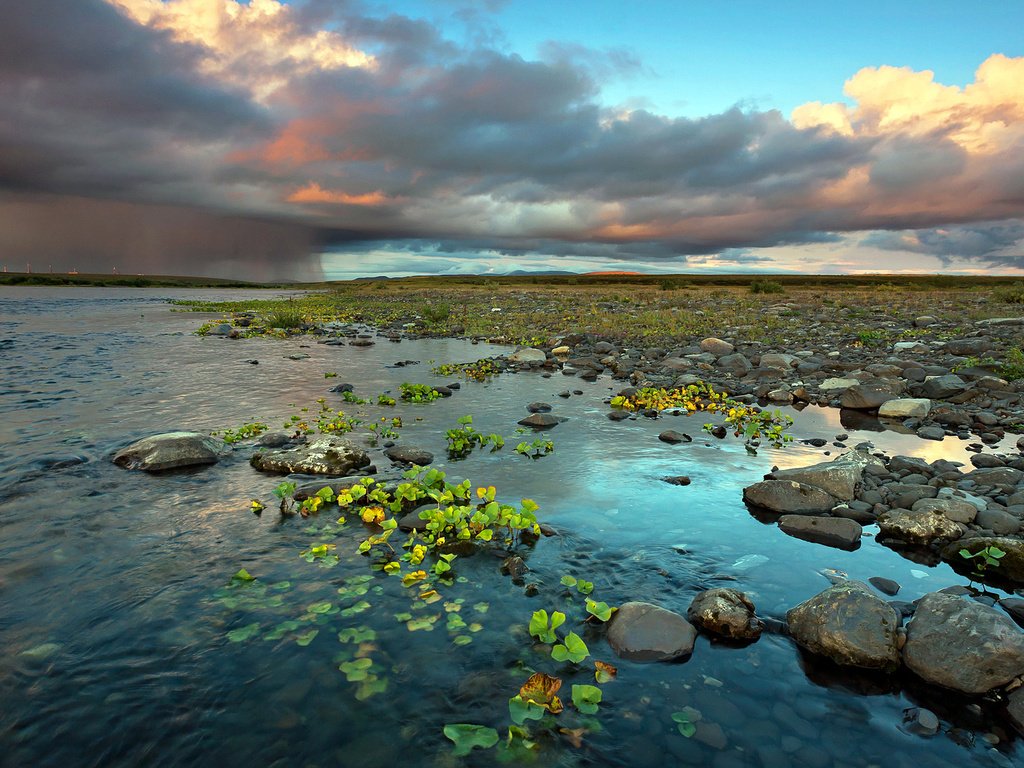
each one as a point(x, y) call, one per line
point(275, 139)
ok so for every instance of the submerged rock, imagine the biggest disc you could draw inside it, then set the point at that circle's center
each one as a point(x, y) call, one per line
point(542, 421)
point(920, 527)
point(849, 625)
point(962, 644)
point(830, 531)
point(409, 454)
point(786, 496)
point(644, 632)
point(171, 450)
point(324, 456)
point(727, 613)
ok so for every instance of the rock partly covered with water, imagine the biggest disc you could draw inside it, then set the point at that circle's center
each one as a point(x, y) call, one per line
point(644, 632)
point(170, 450)
point(831, 531)
point(849, 625)
point(962, 644)
point(409, 454)
point(788, 497)
point(917, 527)
point(727, 613)
point(324, 456)
point(1011, 564)
point(839, 477)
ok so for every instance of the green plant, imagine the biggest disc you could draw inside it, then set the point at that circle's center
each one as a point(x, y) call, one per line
point(352, 397)
point(571, 649)
point(418, 393)
point(586, 698)
point(384, 399)
point(765, 286)
point(479, 370)
point(436, 313)
point(285, 319)
point(684, 724)
point(466, 737)
point(1011, 294)
point(462, 439)
point(983, 559)
point(541, 446)
point(284, 491)
point(244, 432)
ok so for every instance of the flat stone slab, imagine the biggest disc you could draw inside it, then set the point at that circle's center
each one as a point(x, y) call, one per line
point(922, 526)
point(838, 532)
point(171, 450)
point(905, 408)
point(644, 632)
point(788, 497)
point(325, 456)
point(838, 478)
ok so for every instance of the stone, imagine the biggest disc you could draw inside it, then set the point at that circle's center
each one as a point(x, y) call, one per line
point(275, 439)
point(998, 521)
point(644, 632)
point(779, 361)
point(995, 476)
point(562, 351)
point(905, 408)
point(941, 387)
point(788, 497)
point(864, 398)
point(542, 421)
point(832, 531)
point(973, 347)
point(1015, 709)
point(324, 456)
point(957, 510)
point(963, 645)
point(924, 321)
point(716, 347)
point(677, 480)
point(834, 383)
point(920, 721)
point(737, 364)
point(884, 585)
point(1011, 564)
point(931, 432)
point(920, 528)
point(727, 613)
point(170, 450)
point(539, 407)
point(527, 355)
point(839, 477)
point(849, 625)
point(672, 437)
point(409, 454)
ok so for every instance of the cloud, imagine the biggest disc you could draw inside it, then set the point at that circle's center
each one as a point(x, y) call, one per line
point(336, 128)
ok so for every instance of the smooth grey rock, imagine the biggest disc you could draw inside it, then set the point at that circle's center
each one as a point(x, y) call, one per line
point(838, 478)
point(957, 510)
point(1015, 709)
point(788, 497)
point(905, 408)
point(779, 361)
point(672, 437)
point(849, 625)
point(837, 383)
point(542, 421)
point(726, 613)
point(832, 531)
point(737, 364)
point(920, 721)
point(995, 476)
point(170, 450)
point(941, 387)
point(962, 644)
point(409, 454)
point(998, 521)
point(921, 527)
point(931, 432)
point(716, 347)
point(644, 632)
point(864, 398)
point(274, 439)
point(527, 355)
point(884, 585)
point(324, 456)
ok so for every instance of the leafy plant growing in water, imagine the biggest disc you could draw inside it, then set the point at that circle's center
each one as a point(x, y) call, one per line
point(418, 393)
point(542, 446)
point(983, 559)
point(244, 432)
point(284, 491)
point(464, 438)
point(479, 370)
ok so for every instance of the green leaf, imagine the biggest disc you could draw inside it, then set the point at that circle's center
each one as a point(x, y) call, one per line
point(544, 628)
point(242, 634)
point(323, 607)
point(585, 587)
point(568, 581)
point(684, 723)
point(357, 669)
point(243, 575)
point(586, 698)
point(600, 611)
point(521, 710)
point(574, 649)
point(467, 737)
point(307, 637)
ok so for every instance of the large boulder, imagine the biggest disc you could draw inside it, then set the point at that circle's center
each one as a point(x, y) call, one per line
point(957, 510)
point(838, 478)
point(849, 625)
point(780, 361)
point(727, 613)
point(324, 456)
point(862, 397)
point(409, 454)
point(1011, 564)
point(737, 364)
point(788, 497)
point(527, 355)
point(940, 387)
point(920, 527)
point(171, 450)
point(962, 644)
point(644, 632)
point(905, 408)
point(831, 531)
point(1001, 476)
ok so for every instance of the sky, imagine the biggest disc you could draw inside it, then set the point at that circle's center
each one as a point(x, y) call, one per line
point(270, 140)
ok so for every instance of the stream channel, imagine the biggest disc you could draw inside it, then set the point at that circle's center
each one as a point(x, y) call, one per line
point(116, 612)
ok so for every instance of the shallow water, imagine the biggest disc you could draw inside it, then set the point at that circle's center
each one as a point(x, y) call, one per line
point(115, 610)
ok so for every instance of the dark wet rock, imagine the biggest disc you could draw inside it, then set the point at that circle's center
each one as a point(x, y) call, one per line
point(324, 456)
point(726, 613)
point(539, 407)
point(409, 454)
point(838, 478)
point(644, 632)
point(343, 387)
point(672, 437)
point(677, 480)
point(849, 625)
point(1014, 607)
point(788, 497)
point(1011, 564)
point(885, 586)
point(170, 450)
point(618, 415)
point(986, 461)
point(920, 721)
point(864, 398)
point(942, 387)
point(931, 433)
point(963, 645)
point(957, 510)
point(718, 431)
point(831, 531)
point(274, 439)
point(1015, 709)
point(515, 567)
point(361, 343)
point(442, 390)
point(1005, 476)
point(998, 521)
point(737, 364)
point(542, 421)
point(411, 521)
point(918, 528)
point(565, 394)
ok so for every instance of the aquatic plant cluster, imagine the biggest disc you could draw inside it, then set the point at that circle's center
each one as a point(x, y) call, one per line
point(747, 421)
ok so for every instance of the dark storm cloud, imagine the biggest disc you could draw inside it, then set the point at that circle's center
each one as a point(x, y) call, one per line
point(997, 243)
